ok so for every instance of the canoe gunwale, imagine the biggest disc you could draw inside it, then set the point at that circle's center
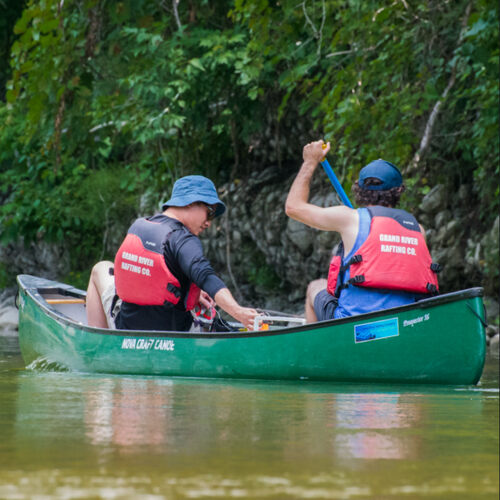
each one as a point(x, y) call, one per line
point(32, 286)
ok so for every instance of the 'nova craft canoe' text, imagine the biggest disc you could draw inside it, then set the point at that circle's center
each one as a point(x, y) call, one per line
point(440, 340)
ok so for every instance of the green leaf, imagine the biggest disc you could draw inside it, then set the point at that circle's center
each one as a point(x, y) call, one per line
point(196, 63)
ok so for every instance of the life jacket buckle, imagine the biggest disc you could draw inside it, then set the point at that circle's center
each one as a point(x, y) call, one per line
point(436, 268)
point(357, 279)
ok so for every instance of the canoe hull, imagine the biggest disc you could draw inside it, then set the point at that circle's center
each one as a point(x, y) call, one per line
point(434, 341)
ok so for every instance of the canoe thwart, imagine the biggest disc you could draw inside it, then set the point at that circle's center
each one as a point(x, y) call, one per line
point(65, 301)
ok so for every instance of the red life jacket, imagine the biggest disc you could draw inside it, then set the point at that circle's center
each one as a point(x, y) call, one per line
point(141, 274)
point(394, 256)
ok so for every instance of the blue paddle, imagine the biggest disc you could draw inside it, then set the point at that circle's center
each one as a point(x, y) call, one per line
point(336, 184)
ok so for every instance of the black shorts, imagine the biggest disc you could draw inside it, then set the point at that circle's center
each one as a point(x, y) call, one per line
point(324, 305)
point(163, 318)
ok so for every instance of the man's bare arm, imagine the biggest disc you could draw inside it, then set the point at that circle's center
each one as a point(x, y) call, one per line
point(245, 315)
point(297, 206)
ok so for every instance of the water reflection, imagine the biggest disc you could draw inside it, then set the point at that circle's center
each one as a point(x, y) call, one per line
point(191, 418)
point(378, 416)
point(126, 413)
point(183, 417)
point(196, 418)
point(263, 439)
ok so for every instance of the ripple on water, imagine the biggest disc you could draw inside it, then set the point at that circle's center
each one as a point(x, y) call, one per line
point(61, 484)
point(45, 365)
point(494, 390)
point(58, 484)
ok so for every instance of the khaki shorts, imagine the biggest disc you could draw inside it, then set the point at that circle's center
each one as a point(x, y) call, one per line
point(110, 305)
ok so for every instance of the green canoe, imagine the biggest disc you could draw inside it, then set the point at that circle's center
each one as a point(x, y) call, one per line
point(435, 341)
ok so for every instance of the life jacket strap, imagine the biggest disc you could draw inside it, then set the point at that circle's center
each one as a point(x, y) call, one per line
point(173, 289)
point(353, 281)
point(353, 260)
point(357, 279)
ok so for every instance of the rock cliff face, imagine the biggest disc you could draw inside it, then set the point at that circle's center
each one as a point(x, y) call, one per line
point(41, 259)
point(468, 254)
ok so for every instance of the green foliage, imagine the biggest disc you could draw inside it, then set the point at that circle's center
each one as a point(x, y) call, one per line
point(264, 277)
point(369, 75)
point(259, 273)
point(108, 101)
point(10, 11)
point(7, 277)
point(78, 279)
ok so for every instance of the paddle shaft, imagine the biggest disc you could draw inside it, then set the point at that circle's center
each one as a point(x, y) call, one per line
point(336, 184)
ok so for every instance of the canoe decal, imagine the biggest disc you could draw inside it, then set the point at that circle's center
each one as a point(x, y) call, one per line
point(414, 321)
point(376, 330)
point(148, 344)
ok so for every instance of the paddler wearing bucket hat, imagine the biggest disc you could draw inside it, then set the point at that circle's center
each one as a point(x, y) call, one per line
point(383, 260)
point(160, 272)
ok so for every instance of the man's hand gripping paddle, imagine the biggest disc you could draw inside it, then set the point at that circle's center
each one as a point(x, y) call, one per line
point(335, 181)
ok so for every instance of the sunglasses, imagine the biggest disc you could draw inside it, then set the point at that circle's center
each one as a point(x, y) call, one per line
point(210, 212)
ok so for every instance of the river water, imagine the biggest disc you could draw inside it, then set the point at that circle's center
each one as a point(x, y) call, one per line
point(78, 436)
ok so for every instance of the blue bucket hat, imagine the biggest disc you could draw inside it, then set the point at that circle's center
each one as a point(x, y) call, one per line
point(194, 188)
point(386, 172)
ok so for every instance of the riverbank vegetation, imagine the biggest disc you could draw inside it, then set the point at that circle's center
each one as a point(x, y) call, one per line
point(104, 104)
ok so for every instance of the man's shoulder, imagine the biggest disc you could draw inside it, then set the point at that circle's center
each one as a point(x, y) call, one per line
point(406, 219)
point(162, 218)
point(174, 225)
point(382, 210)
point(181, 235)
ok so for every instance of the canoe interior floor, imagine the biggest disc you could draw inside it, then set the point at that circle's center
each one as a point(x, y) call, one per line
point(74, 308)
point(71, 307)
